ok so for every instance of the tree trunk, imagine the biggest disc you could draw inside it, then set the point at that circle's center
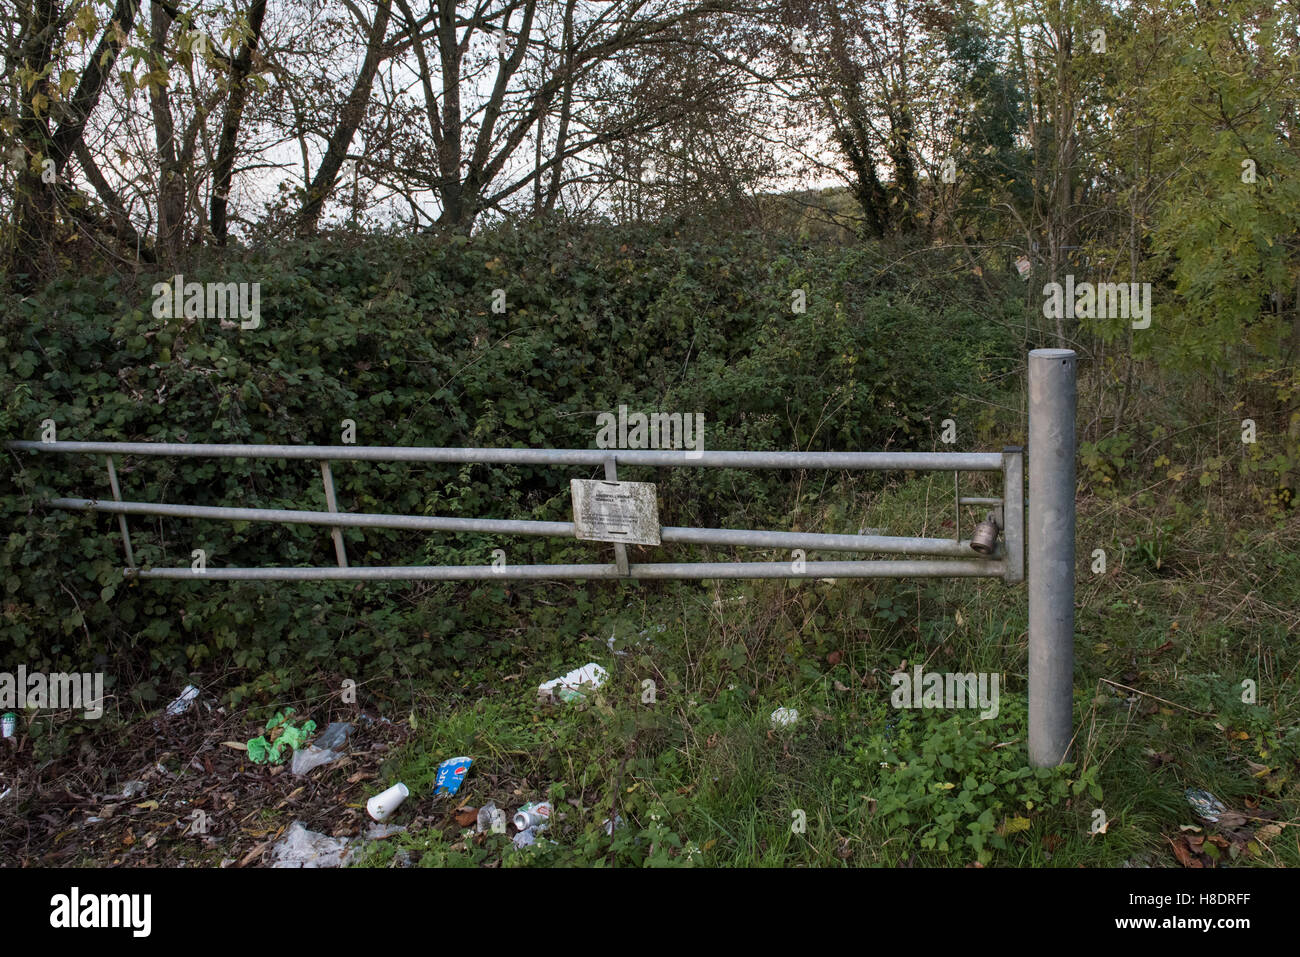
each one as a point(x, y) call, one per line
point(171, 179)
point(354, 111)
point(230, 122)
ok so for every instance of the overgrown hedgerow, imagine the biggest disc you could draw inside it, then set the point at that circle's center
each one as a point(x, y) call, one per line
point(400, 336)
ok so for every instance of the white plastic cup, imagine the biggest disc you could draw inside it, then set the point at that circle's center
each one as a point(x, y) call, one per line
point(381, 806)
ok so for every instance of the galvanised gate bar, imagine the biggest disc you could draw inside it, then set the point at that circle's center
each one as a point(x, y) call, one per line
point(1050, 526)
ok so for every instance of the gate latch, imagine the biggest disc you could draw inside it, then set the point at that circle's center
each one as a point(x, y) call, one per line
point(984, 540)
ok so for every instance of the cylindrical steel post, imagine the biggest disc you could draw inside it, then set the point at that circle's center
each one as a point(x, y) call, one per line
point(1051, 554)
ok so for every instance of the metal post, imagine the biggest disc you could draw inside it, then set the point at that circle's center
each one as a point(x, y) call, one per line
point(620, 551)
point(327, 477)
point(956, 496)
point(121, 519)
point(1051, 554)
point(1012, 508)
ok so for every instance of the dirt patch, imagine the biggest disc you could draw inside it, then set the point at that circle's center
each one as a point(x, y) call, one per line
point(170, 792)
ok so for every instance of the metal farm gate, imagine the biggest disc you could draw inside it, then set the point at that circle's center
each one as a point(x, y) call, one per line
point(1050, 535)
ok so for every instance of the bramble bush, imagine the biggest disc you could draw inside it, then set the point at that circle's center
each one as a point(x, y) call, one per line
point(400, 336)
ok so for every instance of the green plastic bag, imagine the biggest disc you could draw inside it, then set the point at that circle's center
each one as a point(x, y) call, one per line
point(263, 751)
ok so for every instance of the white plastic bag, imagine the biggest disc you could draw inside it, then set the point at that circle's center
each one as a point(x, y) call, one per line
point(573, 686)
point(303, 848)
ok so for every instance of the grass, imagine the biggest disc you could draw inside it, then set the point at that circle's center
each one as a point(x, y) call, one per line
point(701, 777)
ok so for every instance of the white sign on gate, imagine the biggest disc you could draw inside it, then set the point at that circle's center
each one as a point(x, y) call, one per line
point(626, 512)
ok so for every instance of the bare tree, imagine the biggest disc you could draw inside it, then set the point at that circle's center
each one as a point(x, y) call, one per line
point(350, 117)
point(515, 77)
point(46, 40)
point(240, 74)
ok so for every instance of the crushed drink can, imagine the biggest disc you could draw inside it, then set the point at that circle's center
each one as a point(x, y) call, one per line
point(533, 814)
point(9, 724)
point(450, 775)
point(1205, 804)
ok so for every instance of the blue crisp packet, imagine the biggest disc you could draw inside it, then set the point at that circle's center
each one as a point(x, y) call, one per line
point(450, 775)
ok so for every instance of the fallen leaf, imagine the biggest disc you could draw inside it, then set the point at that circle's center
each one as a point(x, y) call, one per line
point(1184, 853)
point(148, 805)
point(834, 657)
point(467, 817)
point(253, 853)
point(1268, 832)
point(1231, 819)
